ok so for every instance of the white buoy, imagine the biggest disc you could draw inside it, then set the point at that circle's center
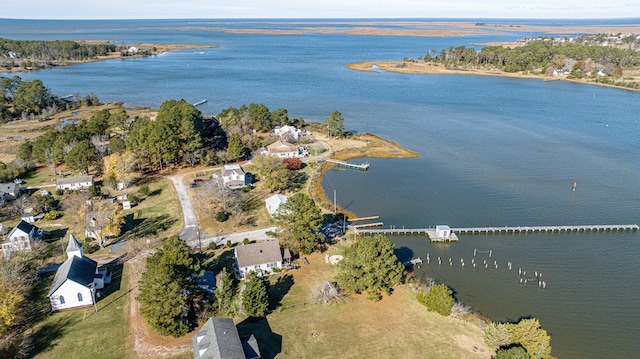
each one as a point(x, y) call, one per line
point(509, 265)
point(473, 260)
point(495, 263)
point(524, 272)
point(485, 266)
point(496, 266)
point(474, 252)
point(544, 284)
point(474, 265)
point(519, 271)
point(484, 261)
point(536, 274)
point(490, 252)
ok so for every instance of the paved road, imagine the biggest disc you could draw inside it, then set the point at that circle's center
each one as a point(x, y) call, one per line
point(190, 232)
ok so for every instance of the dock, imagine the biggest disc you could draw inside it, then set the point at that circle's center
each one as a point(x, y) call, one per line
point(361, 167)
point(366, 225)
point(370, 218)
point(412, 262)
point(435, 236)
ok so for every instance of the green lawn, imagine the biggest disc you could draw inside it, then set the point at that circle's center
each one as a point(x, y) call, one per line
point(82, 333)
point(397, 326)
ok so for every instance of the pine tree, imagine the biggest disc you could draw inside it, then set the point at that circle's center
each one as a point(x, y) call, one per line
point(370, 266)
point(255, 297)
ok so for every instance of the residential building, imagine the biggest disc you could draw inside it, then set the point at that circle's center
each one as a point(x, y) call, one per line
point(21, 238)
point(9, 191)
point(273, 203)
point(287, 132)
point(218, 339)
point(261, 258)
point(283, 149)
point(77, 280)
point(74, 183)
point(233, 176)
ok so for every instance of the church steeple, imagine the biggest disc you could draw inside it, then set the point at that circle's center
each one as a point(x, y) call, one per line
point(74, 248)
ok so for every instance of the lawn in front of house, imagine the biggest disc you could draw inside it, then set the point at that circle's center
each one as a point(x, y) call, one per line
point(396, 326)
point(82, 333)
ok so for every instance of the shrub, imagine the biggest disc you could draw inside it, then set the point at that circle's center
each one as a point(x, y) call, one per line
point(59, 191)
point(246, 241)
point(229, 244)
point(90, 246)
point(438, 299)
point(213, 245)
point(144, 190)
point(513, 352)
point(222, 216)
point(51, 215)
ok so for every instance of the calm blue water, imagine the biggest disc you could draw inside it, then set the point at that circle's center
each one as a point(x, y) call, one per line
point(494, 151)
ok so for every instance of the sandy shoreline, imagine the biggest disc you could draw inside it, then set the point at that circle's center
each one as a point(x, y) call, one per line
point(419, 68)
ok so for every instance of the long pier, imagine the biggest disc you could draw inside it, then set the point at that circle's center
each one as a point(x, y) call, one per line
point(452, 236)
point(361, 167)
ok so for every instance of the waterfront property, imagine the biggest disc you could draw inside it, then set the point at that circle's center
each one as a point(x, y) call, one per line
point(261, 258)
point(283, 149)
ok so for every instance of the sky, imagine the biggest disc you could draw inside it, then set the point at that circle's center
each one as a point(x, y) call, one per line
point(231, 9)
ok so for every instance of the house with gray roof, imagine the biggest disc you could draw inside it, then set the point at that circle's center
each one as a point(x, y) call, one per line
point(21, 238)
point(9, 191)
point(218, 339)
point(261, 258)
point(232, 176)
point(77, 280)
point(74, 183)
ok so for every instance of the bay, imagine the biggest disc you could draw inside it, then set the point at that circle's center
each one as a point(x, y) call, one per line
point(494, 152)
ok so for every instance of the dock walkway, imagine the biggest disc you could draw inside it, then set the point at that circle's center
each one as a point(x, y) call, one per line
point(362, 167)
point(431, 231)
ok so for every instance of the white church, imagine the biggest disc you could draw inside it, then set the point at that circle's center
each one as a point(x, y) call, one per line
point(77, 280)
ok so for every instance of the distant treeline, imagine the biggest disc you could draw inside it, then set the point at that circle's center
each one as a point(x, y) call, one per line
point(536, 55)
point(56, 50)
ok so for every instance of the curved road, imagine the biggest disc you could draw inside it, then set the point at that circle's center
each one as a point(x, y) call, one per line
point(191, 232)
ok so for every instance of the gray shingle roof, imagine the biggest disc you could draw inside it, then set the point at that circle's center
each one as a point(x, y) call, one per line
point(258, 253)
point(217, 339)
point(73, 244)
point(79, 270)
point(71, 180)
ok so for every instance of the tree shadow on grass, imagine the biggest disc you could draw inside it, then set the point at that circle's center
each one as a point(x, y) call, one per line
point(141, 227)
point(45, 337)
point(279, 289)
point(270, 343)
point(298, 180)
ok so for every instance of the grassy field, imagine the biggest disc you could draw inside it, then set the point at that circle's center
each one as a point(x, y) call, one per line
point(396, 326)
point(82, 333)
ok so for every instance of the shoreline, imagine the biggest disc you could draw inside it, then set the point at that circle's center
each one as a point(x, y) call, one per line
point(145, 49)
point(420, 68)
point(372, 146)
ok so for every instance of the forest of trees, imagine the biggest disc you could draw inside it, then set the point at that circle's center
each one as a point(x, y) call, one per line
point(543, 57)
point(40, 53)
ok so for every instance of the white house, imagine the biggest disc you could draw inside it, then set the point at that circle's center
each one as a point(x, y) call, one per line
point(233, 176)
point(273, 203)
point(283, 149)
point(261, 258)
point(287, 132)
point(21, 238)
point(9, 191)
point(77, 280)
point(71, 183)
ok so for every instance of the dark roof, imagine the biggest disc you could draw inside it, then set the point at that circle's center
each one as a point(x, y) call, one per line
point(250, 347)
point(79, 270)
point(217, 339)
point(258, 253)
point(26, 227)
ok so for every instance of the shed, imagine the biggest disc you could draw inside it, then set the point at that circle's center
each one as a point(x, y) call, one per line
point(443, 232)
